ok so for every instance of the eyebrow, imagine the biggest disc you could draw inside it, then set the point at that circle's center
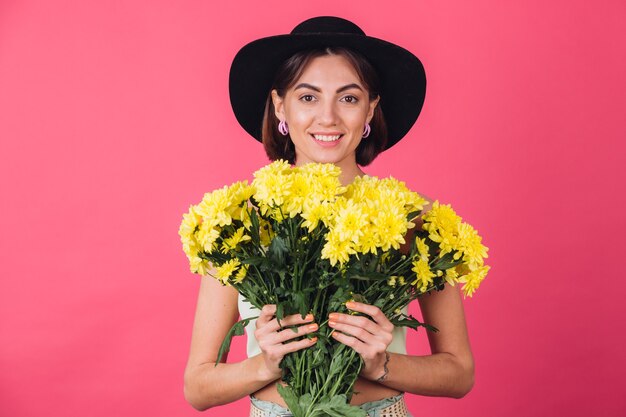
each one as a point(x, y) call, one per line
point(339, 90)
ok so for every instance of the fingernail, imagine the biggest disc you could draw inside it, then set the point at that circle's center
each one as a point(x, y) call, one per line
point(309, 317)
point(350, 304)
point(332, 323)
point(313, 339)
point(333, 316)
point(313, 326)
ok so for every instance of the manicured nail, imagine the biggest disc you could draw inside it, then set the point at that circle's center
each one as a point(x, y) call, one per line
point(313, 339)
point(333, 316)
point(313, 326)
point(350, 304)
point(309, 317)
point(332, 323)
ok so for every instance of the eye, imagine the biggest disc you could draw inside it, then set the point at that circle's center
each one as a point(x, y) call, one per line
point(308, 98)
point(350, 99)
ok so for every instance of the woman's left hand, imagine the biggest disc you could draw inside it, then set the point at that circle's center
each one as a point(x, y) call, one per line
point(369, 338)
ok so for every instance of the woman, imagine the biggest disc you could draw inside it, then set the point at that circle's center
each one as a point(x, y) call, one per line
point(327, 93)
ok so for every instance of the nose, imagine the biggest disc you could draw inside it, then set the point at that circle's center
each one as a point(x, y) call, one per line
point(328, 114)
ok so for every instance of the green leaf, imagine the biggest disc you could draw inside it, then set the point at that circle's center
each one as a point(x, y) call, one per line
point(253, 260)
point(337, 406)
point(280, 312)
point(447, 261)
point(237, 330)
point(412, 322)
point(278, 250)
point(301, 303)
point(412, 215)
point(370, 276)
point(305, 401)
point(290, 399)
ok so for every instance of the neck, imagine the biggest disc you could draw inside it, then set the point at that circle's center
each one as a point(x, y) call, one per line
point(348, 174)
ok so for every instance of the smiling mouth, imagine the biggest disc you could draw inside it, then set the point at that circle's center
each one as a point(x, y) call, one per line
point(327, 138)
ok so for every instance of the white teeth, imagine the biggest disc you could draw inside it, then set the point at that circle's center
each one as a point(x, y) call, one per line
point(327, 138)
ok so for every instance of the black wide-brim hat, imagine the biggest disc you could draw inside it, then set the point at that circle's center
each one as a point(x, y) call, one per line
point(401, 74)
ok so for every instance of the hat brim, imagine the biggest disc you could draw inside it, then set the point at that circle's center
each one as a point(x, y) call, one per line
point(401, 74)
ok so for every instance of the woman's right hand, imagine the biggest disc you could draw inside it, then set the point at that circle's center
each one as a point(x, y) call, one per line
point(270, 338)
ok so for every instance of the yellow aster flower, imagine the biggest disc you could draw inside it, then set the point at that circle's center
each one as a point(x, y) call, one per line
point(199, 266)
point(272, 191)
point(453, 235)
point(327, 188)
point(266, 233)
point(389, 228)
point(207, 236)
point(368, 243)
point(271, 187)
point(336, 250)
point(424, 275)
point(299, 189)
point(473, 279)
point(321, 170)
point(240, 191)
point(239, 195)
point(470, 246)
point(189, 225)
point(215, 206)
point(241, 274)
point(363, 189)
point(231, 243)
point(451, 276)
point(277, 167)
point(349, 222)
point(442, 224)
point(313, 214)
point(410, 200)
point(227, 269)
point(191, 249)
point(414, 202)
point(422, 249)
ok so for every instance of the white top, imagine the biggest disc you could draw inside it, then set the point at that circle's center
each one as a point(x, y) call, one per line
point(398, 343)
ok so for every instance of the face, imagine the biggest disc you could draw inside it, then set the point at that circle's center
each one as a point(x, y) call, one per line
point(326, 111)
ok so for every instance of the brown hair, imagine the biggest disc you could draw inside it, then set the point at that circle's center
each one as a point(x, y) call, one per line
point(278, 146)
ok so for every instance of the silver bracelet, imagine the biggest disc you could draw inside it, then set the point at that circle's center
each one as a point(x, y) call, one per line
point(382, 378)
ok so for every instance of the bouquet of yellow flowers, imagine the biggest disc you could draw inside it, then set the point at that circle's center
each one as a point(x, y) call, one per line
point(297, 238)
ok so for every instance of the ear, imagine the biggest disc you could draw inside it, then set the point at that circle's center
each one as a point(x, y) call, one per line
point(373, 104)
point(279, 109)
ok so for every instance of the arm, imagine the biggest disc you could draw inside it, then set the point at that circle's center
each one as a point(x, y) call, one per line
point(448, 372)
point(207, 385)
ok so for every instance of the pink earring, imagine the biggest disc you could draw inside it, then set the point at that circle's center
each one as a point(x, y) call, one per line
point(367, 130)
point(283, 128)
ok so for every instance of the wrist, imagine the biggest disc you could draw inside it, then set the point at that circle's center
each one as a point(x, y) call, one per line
point(263, 373)
point(385, 370)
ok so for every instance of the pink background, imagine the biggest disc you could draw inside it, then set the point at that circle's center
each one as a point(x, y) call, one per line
point(114, 118)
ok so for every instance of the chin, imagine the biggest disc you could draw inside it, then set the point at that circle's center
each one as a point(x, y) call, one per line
point(332, 157)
